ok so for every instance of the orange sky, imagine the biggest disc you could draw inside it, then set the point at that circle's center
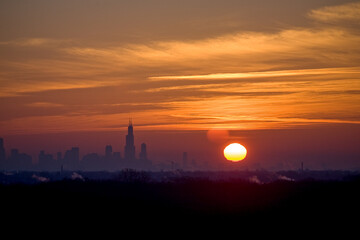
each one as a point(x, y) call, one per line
point(178, 65)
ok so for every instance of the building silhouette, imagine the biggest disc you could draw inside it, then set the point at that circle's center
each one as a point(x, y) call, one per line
point(129, 147)
point(46, 161)
point(108, 152)
point(72, 154)
point(143, 153)
point(19, 161)
point(71, 158)
point(92, 162)
point(117, 156)
point(58, 156)
point(2, 153)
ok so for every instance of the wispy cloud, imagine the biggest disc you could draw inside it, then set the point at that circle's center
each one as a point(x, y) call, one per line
point(349, 12)
point(183, 87)
point(44, 105)
point(250, 52)
point(13, 89)
point(242, 79)
point(264, 74)
point(36, 42)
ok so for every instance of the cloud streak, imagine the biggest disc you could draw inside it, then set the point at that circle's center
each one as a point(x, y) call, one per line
point(346, 12)
point(265, 74)
point(36, 42)
point(247, 51)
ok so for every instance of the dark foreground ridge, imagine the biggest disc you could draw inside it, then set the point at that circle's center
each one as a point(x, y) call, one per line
point(185, 199)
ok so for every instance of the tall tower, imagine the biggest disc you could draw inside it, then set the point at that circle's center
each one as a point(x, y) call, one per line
point(2, 151)
point(143, 153)
point(2, 155)
point(108, 151)
point(129, 147)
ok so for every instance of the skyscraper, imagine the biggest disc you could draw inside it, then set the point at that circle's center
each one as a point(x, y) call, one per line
point(143, 154)
point(129, 147)
point(2, 151)
point(2, 155)
point(46, 161)
point(108, 151)
point(58, 156)
point(72, 158)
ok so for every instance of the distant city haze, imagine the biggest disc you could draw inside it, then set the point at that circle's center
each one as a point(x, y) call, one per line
point(323, 148)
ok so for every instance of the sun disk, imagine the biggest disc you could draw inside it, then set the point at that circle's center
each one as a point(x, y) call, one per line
point(235, 152)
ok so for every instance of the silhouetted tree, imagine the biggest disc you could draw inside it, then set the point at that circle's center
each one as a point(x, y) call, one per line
point(132, 176)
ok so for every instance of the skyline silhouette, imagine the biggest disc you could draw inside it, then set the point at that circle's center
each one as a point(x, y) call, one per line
point(110, 161)
point(328, 148)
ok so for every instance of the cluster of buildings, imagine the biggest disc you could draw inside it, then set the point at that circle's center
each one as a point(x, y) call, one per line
point(71, 158)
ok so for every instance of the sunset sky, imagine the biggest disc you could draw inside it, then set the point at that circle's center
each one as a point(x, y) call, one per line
point(261, 69)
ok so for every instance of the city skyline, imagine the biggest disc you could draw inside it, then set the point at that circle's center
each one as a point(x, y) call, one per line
point(71, 160)
point(189, 159)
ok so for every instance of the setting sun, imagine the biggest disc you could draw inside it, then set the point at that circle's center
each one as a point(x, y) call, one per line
point(235, 152)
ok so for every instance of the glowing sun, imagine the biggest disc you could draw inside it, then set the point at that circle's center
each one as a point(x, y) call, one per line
point(235, 152)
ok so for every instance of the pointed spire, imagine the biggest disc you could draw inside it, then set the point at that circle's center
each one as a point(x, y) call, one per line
point(130, 121)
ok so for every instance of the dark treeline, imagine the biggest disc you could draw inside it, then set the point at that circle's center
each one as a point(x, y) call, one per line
point(130, 197)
